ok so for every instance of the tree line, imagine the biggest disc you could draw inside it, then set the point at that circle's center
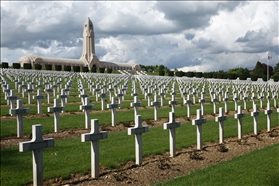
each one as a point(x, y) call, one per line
point(57, 67)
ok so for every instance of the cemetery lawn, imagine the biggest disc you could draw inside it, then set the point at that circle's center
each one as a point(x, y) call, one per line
point(259, 167)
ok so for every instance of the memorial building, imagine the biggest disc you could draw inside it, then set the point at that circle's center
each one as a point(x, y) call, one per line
point(88, 57)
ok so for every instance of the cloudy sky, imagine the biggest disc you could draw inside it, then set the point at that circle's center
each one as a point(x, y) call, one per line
point(199, 36)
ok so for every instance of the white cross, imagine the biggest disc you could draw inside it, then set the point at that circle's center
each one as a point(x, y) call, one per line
point(149, 94)
point(19, 111)
point(173, 102)
point(120, 95)
point(255, 114)
point(138, 130)
point(162, 95)
point(235, 99)
point(155, 103)
point(268, 112)
point(226, 99)
point(83, 95)
point(202, 101)
point(113, 107)
point(239, 115)
point(63, 98)
point(36, 145)
point(56, 109)
point(214, 100)
point(48, 90)
point(221, 118)
point(198, 122)
point(188, 102)
point(136, 105)
point(39, 98)
point(87, 107)
point(11, 98)
point(94, 136)
point(103, 96)
point(171, 125)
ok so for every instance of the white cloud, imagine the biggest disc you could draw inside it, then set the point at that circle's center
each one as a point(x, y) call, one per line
point(201, 36)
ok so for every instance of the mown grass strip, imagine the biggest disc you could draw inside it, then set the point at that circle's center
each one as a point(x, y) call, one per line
point(71, 156)
point(259, 167)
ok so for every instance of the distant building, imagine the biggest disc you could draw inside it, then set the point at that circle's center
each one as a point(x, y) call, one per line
point(87, 59)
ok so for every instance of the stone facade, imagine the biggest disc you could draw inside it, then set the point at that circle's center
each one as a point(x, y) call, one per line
point(88, 57)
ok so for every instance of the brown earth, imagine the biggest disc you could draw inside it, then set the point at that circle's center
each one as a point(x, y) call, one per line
point(157, 168)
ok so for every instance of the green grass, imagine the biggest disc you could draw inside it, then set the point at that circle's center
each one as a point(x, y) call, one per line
point(259, 167)
point(71, 156)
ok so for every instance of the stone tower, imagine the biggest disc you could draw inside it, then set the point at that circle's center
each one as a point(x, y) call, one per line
point(88, 51)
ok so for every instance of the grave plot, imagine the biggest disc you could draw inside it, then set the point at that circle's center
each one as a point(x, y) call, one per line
point(72, 156)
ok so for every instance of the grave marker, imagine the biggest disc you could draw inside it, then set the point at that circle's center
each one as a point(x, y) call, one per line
point(268, 112)
point(56, 109)
point(198, 122)
point(113, 107)
point(94, 136)
point(19, 111)
point(255, 114)
point(171, 125)
point(39, 98)
point(138, 130)
point(36, 145)
point(155, 103)
point(87, 107)
point(221, 118)
point(239, 115)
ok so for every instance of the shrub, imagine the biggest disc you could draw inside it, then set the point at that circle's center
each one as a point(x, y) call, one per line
point(190, 74)
point(109, 70)
point(67, 68)
point(16, 65)
point(94, 69)
point(5, 65)
point(198, 74)
point(27, 66)
point(58, 67)
point(161, 72)
point(102, 70)
point(85, 69)
point(171, 73)
point(38, 66)
point(254, 77)
point(76, 68)
point(48, 66)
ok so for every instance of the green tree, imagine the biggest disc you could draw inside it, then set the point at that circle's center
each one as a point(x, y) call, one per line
point(258, 70)
point(58, 67)
point(48, 66)
point(16, 65)
point(38, 66)
point(5, 65)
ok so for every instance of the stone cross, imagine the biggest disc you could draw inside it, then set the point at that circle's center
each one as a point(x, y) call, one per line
point(11, 98)
point(274, 96)
point(188, 102)
point(239, 115)
point(198, 122)
point(56, 109)
point(214, 100)
point(110, 89)
point(7, 91)
point(136, 105)
point(173, 102)
point(39, 98)
point(120, 95)
point(245, 98)
point(149, 94)
point(162, 95)
point(19, 111)
point(194, 96)
point(138, 130)
point(155, 103)
point(171, 125)
point(83, 95)
point(48, 90)
point(202, 101)
point(261, 100)
point(103, 96)
point(221, 118)
point(235, 99)
point(226, 99)
point(97, 92)
point(113, 107)
point(36, 145)
point(87, 107)
point(268, 112)
point(253, 98)
point(255, 114)
point(94, 136)
point(63, 98)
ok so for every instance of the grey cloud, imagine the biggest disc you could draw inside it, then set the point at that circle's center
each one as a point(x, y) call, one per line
point(189, 36)
point(195, 15)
